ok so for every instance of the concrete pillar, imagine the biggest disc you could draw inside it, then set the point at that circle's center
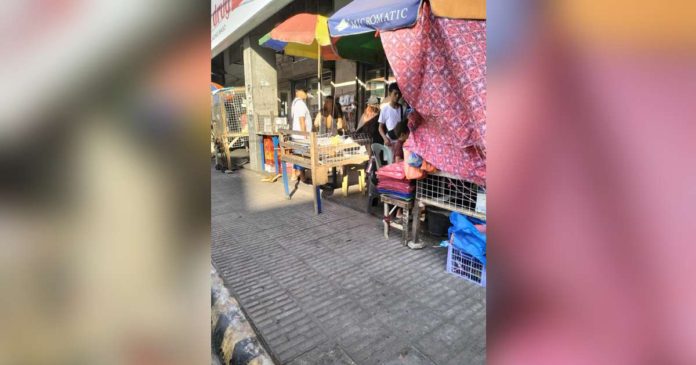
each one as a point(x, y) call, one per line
point(261, 82)
point(346, 71)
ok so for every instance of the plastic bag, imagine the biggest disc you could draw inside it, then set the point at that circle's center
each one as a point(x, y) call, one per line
point(465, 236)
point(427, 167)
point(414, 159)
point(413, 173)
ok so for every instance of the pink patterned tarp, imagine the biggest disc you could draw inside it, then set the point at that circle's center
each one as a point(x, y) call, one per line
point(440, 66)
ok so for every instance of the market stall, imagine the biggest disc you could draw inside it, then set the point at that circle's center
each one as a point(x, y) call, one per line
point(437, 51)
point(320, 154)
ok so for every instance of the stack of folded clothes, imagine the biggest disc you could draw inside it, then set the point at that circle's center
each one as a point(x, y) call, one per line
point(392, 181)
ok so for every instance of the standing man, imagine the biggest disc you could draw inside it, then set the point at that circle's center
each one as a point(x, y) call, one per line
point(391, 115)
point(301, 121)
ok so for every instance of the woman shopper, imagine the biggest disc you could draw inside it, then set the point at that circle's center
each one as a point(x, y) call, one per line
point(330, 120)
point(368, 123)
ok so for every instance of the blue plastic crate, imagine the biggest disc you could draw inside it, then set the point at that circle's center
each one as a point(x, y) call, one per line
point(465, 266)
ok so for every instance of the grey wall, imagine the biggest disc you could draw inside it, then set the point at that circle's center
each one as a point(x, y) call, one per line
point(261, 83)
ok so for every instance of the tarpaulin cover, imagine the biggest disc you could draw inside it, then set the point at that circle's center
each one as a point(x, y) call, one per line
point(466, 237)
point(440, 65)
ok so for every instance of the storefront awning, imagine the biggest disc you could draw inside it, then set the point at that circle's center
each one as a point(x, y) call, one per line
point(230, 20)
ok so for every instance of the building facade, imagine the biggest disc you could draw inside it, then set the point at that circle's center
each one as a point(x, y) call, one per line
point(270, 78)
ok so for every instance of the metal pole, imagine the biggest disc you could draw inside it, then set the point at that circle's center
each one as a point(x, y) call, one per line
point(321, 104)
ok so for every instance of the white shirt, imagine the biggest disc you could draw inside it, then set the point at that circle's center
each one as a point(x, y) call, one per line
point(390, 116)
point(299, 109)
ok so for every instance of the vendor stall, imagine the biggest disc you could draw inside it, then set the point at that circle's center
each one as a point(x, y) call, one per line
point(320, 154)
point(437, 51)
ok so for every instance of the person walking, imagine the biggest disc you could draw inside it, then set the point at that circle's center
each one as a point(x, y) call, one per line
point(301, 121)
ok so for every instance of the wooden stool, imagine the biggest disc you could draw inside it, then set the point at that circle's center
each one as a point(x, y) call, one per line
point(391, 204)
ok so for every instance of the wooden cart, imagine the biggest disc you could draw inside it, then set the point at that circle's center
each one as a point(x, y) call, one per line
point(306, 149)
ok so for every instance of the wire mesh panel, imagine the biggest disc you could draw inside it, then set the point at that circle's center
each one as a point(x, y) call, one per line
point(330, 149)
point(216, 114)
point(230, 116)
point(335, 149)
point(451, 193)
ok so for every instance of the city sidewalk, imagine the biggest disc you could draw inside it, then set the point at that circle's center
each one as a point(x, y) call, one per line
point(329, 289)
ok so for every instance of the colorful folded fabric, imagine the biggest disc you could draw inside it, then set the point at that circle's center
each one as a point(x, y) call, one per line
point(394, 171)
point(391, 185)
point(396, 194)
point(395, 182)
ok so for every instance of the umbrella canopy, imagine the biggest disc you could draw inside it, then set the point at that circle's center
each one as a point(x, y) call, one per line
point(301, 35)
point(368, 16)
point(355, 28)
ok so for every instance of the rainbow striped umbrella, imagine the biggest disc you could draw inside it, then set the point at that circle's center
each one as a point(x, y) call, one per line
point(303, 35)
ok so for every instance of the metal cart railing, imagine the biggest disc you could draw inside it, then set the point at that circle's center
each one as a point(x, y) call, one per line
point(320, 154)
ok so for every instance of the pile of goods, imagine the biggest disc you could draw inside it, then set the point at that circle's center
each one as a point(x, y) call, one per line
point(392, 181)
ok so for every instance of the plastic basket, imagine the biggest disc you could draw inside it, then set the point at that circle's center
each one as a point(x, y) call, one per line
point(465, 266)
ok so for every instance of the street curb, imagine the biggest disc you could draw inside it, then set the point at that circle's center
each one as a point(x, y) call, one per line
point(232, 337)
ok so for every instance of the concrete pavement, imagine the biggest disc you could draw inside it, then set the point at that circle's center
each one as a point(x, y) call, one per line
point(329, 289)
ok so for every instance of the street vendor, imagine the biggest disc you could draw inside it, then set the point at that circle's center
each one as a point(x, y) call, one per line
point(330, 120)
point(391, 115)
point(301, 121)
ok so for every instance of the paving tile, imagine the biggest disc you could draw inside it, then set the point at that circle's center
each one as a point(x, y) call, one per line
point(329, 289)
point(329, 353)
point(409, 356)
